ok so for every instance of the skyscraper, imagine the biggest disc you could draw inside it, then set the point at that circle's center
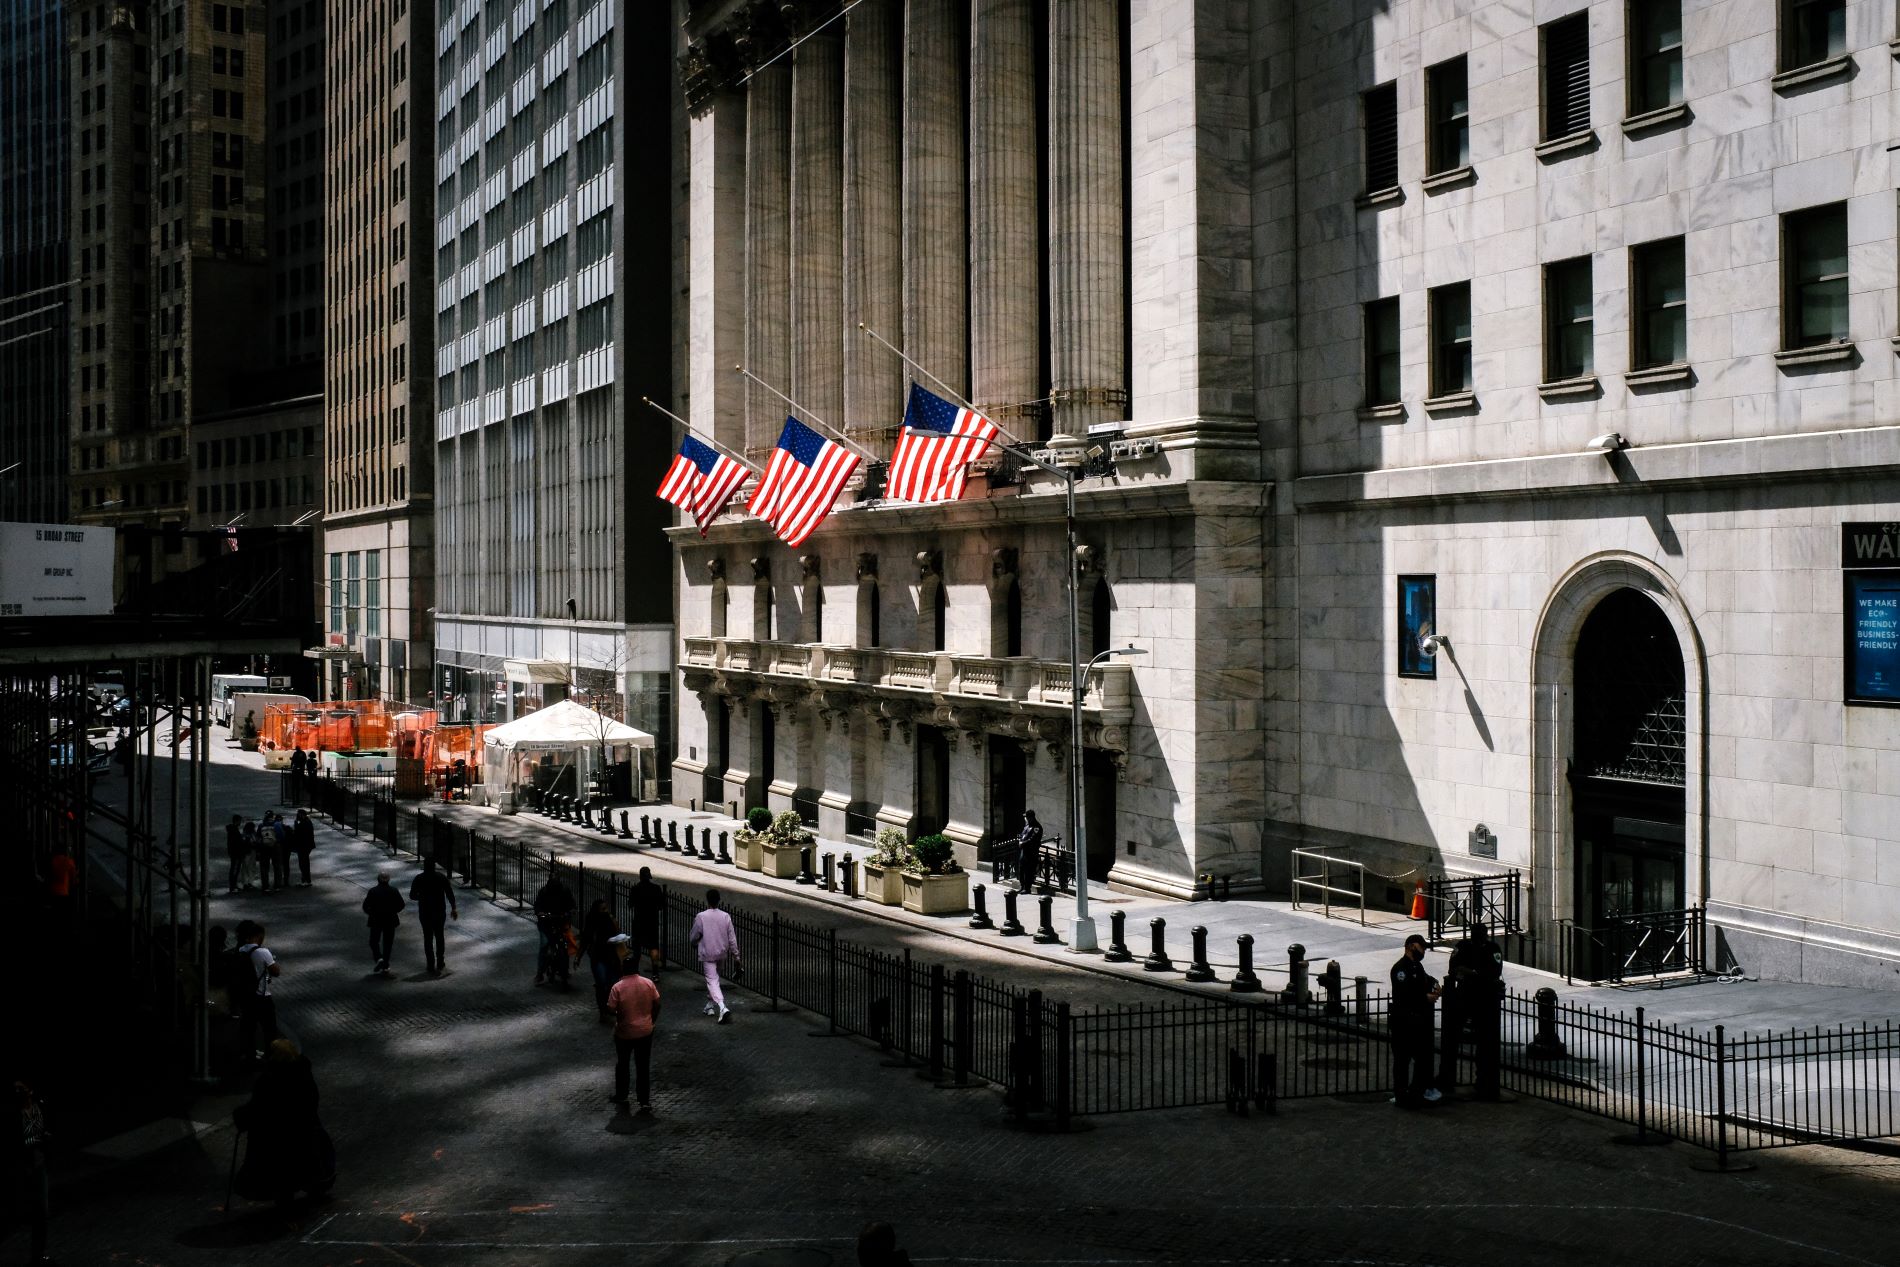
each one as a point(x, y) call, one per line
point(34, 114)
point(554, 239)
point(378, 387)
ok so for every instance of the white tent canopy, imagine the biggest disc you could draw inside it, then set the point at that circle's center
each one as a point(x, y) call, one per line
point(563, 735)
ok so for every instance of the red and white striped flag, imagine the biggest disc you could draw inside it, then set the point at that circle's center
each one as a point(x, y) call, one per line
point(700, 480)
point(801, 482)
point(933, 456)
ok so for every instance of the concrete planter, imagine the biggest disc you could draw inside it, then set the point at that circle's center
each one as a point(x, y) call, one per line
point(884, 884)
point(748, 852)
point(937, 894)
point(781, 861)
point(248, 743)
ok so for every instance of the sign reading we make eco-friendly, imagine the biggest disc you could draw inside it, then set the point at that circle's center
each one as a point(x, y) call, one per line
point(55, 570)
point(1870, 612)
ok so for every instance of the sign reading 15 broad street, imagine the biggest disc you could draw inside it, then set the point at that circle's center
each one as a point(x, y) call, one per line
point(55, 570)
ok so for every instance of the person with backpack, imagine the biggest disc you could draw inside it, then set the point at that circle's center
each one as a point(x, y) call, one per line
point(258, 1018)
point(384, 906)
point(303, 841)
point(434, 897)
point(553, 914)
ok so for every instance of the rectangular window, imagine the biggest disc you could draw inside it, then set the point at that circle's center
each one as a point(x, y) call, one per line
point(1569, 320)
point(336, 593)
point(1451, 338)
point(1380, 111)
point(1812, 31)
point(1567, 76)
point(373, 593)
point(353, 591)
point(1814, 264)
point(1382, 351)
point(1448, 106)
point(1871, 629)
point(1417, 622)
point(1661, 333)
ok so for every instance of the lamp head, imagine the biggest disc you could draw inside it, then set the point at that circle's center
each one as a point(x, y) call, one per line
point(1607, 443)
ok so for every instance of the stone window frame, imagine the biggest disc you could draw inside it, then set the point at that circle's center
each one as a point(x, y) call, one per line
point(1564, 274)
point(1643, 308)
point(1793, 51)
point(1437, 162)
point(1554, 74)
point(1375, 352)
point(1436, 297)
point(1379, 137)
point(1797, 228)
point(1641, 19)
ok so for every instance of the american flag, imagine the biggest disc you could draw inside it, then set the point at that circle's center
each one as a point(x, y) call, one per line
point(933, 455)
point(801, 482)
point(700, 480)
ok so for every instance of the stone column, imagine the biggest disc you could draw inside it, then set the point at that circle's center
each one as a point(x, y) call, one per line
point(741, 783)
point(716, 289)
point(896, 786)
point(1005, 268)
point(936, 326)
point(768, 302)
point(873, 270)
point(1086, 280)
point(836, 743)
point(817, 297)
point(968, 821)
point(790, 733)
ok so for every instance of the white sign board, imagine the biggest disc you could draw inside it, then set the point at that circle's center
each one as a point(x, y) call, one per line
point(55, 570)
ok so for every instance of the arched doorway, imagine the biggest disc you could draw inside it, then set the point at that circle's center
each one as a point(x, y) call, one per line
point(1628, 772)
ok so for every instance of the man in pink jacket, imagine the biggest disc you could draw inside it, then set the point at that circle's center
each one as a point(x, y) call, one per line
point(716, 941)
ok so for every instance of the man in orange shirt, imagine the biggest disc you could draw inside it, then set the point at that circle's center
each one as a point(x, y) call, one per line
point(634, 1003)
point(59, 881)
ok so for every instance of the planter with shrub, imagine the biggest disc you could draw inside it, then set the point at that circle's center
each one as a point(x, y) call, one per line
point(933, 882)
point(884, 868)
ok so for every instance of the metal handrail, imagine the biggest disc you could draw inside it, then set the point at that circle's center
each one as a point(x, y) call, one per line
point(1322, 881)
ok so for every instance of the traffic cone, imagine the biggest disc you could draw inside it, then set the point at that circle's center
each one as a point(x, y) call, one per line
point(1418, 900)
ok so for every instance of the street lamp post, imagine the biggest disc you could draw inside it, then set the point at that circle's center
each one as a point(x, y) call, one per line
point(1082, 931)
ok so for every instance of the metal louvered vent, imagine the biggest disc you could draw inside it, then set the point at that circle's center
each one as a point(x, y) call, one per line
point(1567, 76)
point(1382, 137)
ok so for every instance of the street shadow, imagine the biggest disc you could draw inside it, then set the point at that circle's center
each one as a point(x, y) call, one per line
point(626, 1122)
point(252, 1225)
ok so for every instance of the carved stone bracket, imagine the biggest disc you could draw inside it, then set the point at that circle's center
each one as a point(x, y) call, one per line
point(762, 568)
point(867, 567)
point(1087, 559)
point(716, 567)
point(1003, 562)
point(808, 566)
point(929, 564)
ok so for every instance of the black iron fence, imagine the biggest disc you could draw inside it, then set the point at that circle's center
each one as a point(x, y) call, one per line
point(1725, 1094)
point(1644, 945)
point(1456, 903)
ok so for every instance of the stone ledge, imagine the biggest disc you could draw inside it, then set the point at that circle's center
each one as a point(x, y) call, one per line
point(1755, 459)
point(1393, 411)
point(1373, 199)
point(1817, 73)
point(1451, 401)
point(1565, 146)
point(1455, 178)
point(1656, 120)
point(1826, 354)
point(1570, 388)
point(1679, 374)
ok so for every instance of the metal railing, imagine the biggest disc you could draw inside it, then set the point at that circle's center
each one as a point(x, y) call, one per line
point(1825, 1084)
point(1055, 866)
point(1320, 881)
point(1650, 944)
point(1454, 904)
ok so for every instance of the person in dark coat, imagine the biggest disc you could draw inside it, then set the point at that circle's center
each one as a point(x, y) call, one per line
point(598, 930)
point(434, 897)
point(303, 841)
point(1474, 993)
point(237, 849)
point(553, 913)
point(1414, 990)
point(279, 840)
point(384, 905)
point(289, 1151)
point(1028, 852)
point(649, 907)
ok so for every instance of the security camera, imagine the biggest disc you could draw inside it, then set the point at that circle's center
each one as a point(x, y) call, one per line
point(1607, 443)
point(1431, 643)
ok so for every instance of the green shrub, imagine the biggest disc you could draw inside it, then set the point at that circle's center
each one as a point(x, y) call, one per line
point(758, 818)
point(933, 855)
point(893, 849)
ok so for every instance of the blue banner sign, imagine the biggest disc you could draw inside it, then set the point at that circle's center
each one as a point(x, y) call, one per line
point(1872, 616)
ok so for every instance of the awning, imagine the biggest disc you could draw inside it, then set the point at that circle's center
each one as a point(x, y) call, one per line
point(345, 654)
point(547, 672)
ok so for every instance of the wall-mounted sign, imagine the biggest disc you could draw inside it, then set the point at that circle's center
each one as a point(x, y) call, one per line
point(1870, 545)
point(1483, 842)
point(1417, 618)
point(55, 570)
point(1870, 612)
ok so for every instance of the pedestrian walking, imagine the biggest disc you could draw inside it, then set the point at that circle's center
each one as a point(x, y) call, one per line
point(1410, 1025)
point(601, 942)
point(384, 906)
point(303, 841)
point(289, 1150)
point(716, 942)
point(236, 850)
point(30, 1174)
point(258, 1018)
point(553, 914)
point(280, 848)
point(634, 1006)
point(1028, 852)
point(1474, 994)
point(298, 768)
point(434, 897)
point(649, 907)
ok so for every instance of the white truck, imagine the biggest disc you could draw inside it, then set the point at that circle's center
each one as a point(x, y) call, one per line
point(224, 685)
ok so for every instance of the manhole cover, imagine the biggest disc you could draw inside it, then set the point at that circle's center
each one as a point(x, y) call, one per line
point(784, 1256)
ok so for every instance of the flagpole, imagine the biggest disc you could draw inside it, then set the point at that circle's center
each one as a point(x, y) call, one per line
point(1082, 929)
point(734, 454)
point(847, 441)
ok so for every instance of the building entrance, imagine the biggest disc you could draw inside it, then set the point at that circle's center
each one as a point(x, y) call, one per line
point(933, 781)
point(1627, 786)
point(1008, 788)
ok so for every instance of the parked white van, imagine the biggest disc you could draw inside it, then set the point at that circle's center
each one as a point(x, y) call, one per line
point(224, 685)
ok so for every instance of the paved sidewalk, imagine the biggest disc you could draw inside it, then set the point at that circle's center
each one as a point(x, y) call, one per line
point(472, 1123)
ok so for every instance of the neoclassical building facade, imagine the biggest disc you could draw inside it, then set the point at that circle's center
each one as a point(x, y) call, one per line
point(1485, 419)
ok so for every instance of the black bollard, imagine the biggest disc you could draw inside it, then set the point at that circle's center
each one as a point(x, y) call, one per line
point(1546, 1045)
point(804, 866)
point(1200, 969)
point(626, 832)
point(1046, 929)
point(1360, 1005)
point(646, 831)
point(982, 917)
point(850, 876)
point(1331, 982)
point(828, 872)
point(1012, 927)
point(1246, 981)
point(673, 837)
point(705, 845)
point(1157, 960)
point(1118, 951)
point(1296, 991)
point(607, 821)
point(725, 856)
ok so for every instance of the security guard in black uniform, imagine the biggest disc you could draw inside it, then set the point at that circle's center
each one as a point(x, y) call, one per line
point(1413, 990)
point(1474, 993)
